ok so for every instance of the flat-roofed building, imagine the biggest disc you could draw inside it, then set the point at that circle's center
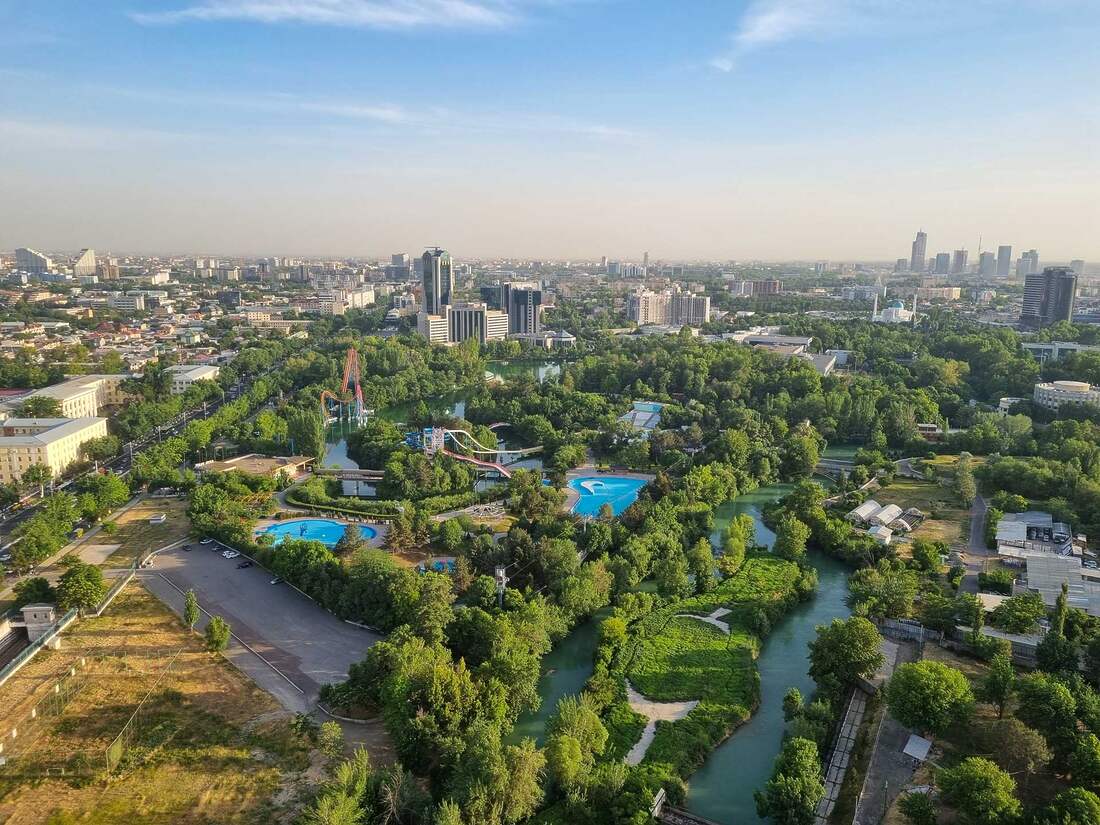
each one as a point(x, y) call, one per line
point(84, 395)
point(184, 375)
point(53, 442)
point(1053, 394)
point(1032, 533)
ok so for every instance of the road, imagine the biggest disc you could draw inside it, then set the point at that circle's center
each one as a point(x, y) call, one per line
point(976, 551)
point(122, 463)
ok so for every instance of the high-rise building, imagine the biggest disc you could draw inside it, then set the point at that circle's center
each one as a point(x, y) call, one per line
point(1028, 264)
point(821, 267)
point(671, 307)
point(1004, 261)
point(31, 260)
point(987, 265)
point(466, 321)
point(521, 302)
point(958, 263)
point(645, 264)
point(84, 263)
point(1078, 267)
point(1049, 296)
point(943, 263)
point(645, 307)
point(689, 310)
point(918, 256)
point(901, 265)
point(439, 281)
point(768, 287)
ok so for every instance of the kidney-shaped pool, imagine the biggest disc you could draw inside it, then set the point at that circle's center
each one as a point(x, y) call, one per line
point(596, 491)
point(327, 531)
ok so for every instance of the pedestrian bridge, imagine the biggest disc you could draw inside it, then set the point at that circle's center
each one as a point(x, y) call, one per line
point(349, 473)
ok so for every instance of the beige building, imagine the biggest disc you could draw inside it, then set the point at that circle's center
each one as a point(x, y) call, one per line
point(84, 395)
point(1053, 394)
point(184, 375)
point(54, 442)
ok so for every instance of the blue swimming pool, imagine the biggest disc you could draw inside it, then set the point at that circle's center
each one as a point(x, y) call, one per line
point(596, 491)
point(326, 531)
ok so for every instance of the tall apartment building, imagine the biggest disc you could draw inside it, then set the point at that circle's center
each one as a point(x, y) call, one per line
point(128, 302)
point(438, 280)
point(54, 442)
point(31, 260)
point(522, 303)
point(1004, 261)
point(919, 254)
point(958, 263)
point(987, 265)
point(1049, 296)
point(84, 263)
point(465, 321)
point(1028, 264)
point(674, 307)
point(767, 287)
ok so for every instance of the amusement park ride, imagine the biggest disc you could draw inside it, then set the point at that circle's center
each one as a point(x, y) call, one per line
point(432, 440)
point(351, 406)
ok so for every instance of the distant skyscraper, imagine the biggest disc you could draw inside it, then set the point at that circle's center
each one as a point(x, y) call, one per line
point(958, 264)
point(31, 260)
point(1028, 264)
point(901, 265)
point(918, 259)
point(84, 263)
point(1078, 267)
point(987, 265)
point(1049, 296)
point(943, 263)
point(645, 264)
point(439, 280)
point(524, 304)
point(1004, 261)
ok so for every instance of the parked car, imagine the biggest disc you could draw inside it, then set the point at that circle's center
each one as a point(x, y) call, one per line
point(276, 580)
point(244, 564)
point(206, 541)
point(231, 554)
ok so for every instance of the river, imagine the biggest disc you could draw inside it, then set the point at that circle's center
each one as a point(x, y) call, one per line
point(722, 788)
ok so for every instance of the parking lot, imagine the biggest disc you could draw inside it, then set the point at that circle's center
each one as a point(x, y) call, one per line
point(287, 643)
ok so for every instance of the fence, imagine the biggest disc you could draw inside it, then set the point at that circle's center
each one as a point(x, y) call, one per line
point(28, 652)
point(17, 739)
point(124, 742)
point(116, 588)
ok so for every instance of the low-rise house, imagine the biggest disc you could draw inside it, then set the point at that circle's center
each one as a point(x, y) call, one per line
point(1020, 535)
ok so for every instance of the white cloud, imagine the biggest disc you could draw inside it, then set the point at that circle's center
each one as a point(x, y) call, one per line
point(373, 14)
point(766, 23)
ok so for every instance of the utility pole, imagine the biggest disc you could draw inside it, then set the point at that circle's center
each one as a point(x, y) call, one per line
point(502, 584)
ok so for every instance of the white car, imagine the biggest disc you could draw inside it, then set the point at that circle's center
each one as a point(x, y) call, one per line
point(230, 554)
point(206, 541)
point(1091, 565)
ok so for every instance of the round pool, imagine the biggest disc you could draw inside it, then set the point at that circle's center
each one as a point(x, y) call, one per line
point(327, 531)
point(596, 491)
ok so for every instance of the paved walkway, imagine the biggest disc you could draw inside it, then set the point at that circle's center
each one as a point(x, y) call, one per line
point(714, 618)
point(837, 768)
point(654, 712)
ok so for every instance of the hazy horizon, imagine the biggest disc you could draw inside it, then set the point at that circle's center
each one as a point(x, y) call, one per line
point(771, 130)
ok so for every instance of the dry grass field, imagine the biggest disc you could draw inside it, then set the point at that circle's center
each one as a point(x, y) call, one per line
point(211, 747)
point(135, 535)
point(946, 516)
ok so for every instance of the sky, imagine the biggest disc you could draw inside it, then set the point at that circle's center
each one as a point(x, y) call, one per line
point(691, 129)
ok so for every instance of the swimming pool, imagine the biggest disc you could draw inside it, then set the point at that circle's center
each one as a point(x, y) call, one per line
point(326, 531)
point(596, 491)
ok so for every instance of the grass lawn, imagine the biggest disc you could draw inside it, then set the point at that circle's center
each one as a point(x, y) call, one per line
point(946, 516)
point(135, 535)
point(681, 658)
point(212, 747)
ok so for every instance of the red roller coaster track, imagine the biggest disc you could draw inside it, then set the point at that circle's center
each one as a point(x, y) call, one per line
point(351, 378)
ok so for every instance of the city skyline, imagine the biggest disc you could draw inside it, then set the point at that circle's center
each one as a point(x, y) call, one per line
point(777, 130)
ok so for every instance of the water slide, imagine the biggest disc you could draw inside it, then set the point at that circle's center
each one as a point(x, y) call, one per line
point(482, 449)
point(488, 465)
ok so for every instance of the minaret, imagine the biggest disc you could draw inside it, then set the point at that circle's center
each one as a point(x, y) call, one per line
point(874, 311)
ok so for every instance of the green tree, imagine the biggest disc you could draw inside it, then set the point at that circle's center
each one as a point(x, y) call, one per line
point(81, 586)
point(791, 537)
point(886, 590)
point(791, 796)
point(1075, 806)
point(1048, 706)
point(432, 612)
point(792, 703)
point(306, 430)
point(997, 685)
point(918, 808)
point(701, 563)
point(740, 535)
point(844, 651)
point(37, 475)
point(927, 556)
point(40, 406)
point(929, 696)
point(965, 486)
point(1018, 614)
point(670, 574)
point(981, 792)
point(330, 739)
point(451, 534)
point(35, 590)
point(217, 634)
point(448, 813)
point(351, 541)
point(190, 610)
point(1084, 762)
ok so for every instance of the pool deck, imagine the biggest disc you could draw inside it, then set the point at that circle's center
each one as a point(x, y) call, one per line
point(572, 496)
point(300, 515)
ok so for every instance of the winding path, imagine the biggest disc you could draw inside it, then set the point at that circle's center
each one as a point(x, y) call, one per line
point(714, 618)
point(654, 712)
